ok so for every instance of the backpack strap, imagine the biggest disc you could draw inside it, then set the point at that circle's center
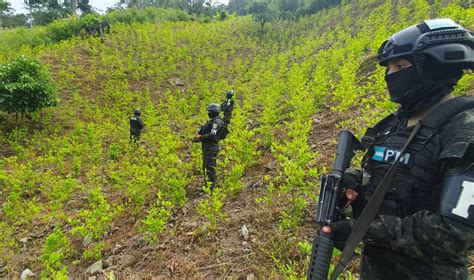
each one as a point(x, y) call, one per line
point(441, 114)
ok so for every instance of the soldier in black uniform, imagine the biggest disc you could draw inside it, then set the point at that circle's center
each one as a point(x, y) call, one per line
point(423, 229)
point(209, 136)
point(228, 106)
point(136, 126)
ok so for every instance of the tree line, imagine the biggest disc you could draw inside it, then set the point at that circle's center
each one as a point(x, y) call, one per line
point(284, 9)
point(43, 12)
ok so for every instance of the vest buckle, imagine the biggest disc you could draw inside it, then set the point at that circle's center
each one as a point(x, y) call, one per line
point(367, 141)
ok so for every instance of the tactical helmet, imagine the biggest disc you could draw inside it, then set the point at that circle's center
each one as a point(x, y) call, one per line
point(441, 39)
point(214, 108)
point(137, 112)
point(230, 93)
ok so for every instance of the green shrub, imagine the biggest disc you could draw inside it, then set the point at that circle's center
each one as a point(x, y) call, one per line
point(155, 221)
point(65, 29)
point(25, 87)
point(96, 221)
point(56, 248)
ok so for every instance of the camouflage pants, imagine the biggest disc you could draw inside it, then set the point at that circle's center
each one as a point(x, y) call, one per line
point(383, 263)
point(209, 163)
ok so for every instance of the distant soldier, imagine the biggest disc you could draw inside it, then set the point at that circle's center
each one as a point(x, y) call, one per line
point(104, 27)
point(228, 106)
point(136, 126)
point(209, 135)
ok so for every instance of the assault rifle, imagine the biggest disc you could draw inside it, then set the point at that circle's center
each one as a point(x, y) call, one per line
point(331, 206)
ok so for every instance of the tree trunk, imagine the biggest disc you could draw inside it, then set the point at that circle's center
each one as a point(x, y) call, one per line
point(73, 6)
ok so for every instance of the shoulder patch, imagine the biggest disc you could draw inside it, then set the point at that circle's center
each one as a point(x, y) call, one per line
point(455, 150)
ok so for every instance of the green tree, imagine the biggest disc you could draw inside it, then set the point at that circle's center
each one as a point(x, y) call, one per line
point(262, 13)
point(288, 8)
point(4, 9)
point(46, 11)
point(84, 7)
point(313, 6)
point(25, 87)
point(238, 6)
point(10, 21)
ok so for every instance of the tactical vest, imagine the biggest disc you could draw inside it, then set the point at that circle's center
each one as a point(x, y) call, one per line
point(227, 107)
point(135, 124)
point(416, 184)
point(215, 123)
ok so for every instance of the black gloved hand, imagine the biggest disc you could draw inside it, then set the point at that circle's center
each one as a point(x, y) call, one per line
point(340, 231)
point(352, 179)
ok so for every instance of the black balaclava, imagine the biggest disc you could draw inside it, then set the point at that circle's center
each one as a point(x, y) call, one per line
point(417, 88)
point(212, 114)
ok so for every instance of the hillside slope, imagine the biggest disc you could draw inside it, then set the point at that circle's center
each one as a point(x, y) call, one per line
point(73, 191)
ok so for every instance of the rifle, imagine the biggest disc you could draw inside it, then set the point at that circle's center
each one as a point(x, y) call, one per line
point(193, 140)
point(331, 206)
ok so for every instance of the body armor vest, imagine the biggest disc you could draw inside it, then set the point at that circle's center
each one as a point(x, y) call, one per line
point(136, 124)
point(227, 107)
point(212, 124)
point(415, 185)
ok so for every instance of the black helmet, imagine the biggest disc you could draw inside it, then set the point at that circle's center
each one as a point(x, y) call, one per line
point(214, 108)
point(230, 93)
point(441, 39)
point(137, 112)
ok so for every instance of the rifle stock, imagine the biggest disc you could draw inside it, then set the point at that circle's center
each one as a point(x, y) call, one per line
point(331, 206)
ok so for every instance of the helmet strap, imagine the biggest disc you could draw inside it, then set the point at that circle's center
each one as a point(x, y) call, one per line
point(419, 60)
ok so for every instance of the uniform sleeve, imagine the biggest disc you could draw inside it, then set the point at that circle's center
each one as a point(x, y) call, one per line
point(214, 135)
point(428, 234)
point(424, 235)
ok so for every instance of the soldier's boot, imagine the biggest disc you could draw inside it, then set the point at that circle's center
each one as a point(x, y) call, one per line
point(214, 185)
point(212, 177)
point(201, 191)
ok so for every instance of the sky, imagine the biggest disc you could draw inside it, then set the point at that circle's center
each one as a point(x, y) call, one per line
point(100, 5)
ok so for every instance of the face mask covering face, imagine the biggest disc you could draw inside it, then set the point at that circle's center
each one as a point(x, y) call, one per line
point(400, 83)
point(416, 93)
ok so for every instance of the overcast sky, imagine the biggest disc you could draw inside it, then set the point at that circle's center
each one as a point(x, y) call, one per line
point(100, 5)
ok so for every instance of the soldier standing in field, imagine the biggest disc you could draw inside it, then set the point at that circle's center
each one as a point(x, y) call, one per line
point(209, 136)
point(136, 126)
